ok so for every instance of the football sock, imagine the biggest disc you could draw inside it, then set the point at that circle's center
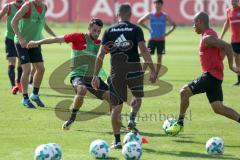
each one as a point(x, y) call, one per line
point(25, 96)
point(132, 116)
point(11, 74)
point(31, 80)
point(238, 78)
point(117, 138)
point(239, 120)
point(74, 114)
point(35, 90)
point(181, 119)
point(19, 75)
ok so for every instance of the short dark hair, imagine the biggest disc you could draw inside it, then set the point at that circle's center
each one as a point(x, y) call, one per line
point(124, 8)
point(158, 1)
point(96, 21)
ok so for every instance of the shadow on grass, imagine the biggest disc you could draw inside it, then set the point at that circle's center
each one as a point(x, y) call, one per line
point(92, 131)
point(194, 142)
point(184, 154)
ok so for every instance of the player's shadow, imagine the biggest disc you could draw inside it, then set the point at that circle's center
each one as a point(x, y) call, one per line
point(184, 154)
point(148, 134)
point(194, 142)
point(94, 131)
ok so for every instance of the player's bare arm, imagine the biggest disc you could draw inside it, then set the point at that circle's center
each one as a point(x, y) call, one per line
point(172, 24)
point(225, 28)
point(225, 48)
point(15, 21)
point(98, 65)
point(58, 39)
point(49, 30)
point(143, 20)
point(148, 60)
point(3, 11)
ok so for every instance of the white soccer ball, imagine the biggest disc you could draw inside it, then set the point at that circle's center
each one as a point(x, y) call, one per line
point(167, 124)
point(132, 151)
point(57, 152)
point(215, 146)
point(130, 137)
point(99, 149)
point(43, 152)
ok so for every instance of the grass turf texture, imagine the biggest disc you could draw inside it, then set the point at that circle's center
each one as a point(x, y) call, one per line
point(22, 130)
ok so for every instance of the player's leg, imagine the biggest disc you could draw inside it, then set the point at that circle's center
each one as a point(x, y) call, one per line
point(220, 108)
point(19, 75)
point(160, 53)
point(26, 68)
point(33, 70)
point(81, 91)
point(151, 47)
point(236, 49)
point(36, 59)
point(11, 73)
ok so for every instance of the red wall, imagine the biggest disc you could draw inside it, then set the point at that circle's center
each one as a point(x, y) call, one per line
point(181, 11)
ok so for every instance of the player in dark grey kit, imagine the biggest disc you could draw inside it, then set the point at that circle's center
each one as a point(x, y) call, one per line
point(122, 41)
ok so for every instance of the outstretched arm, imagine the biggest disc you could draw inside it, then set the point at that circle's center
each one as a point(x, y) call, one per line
point(49, 30)
point(142, 21)
point(225, 48)
point(225, 28)
point(173, 25)
point(3, 11)
point(58, 39)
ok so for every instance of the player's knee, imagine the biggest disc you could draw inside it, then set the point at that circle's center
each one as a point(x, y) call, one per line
point(40, 70)
point(81, 90)
point(218, 108)
point(136, 101)
point(116, 113)
point(185, 93)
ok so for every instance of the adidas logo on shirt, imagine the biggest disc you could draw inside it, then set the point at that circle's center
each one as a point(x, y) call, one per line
point(122, 43)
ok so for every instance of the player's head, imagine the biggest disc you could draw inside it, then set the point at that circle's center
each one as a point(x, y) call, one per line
point(201, 22)
point(235, 3)
point(125, 12)
point(158, 4)
point(95, 27)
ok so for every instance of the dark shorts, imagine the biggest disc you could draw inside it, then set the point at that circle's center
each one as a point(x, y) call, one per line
point(160, 45)
point(119, 86)
point(33, 55)
point(208, 84)
point(10, 48)
point(86, 81)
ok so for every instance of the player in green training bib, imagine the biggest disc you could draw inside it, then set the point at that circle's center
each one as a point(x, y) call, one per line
point(84, 50)
point(10, 9)
point(28, 25)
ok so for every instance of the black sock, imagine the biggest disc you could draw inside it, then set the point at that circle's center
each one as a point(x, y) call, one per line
point(132, 116)
point(31, 80)
point(35, 90)
point(11, 74)
point(25, 96)
point(19, 69)
point(238, 78)
point(117, 138)
point(74, 114)
point(239, 120)
point(181, 119)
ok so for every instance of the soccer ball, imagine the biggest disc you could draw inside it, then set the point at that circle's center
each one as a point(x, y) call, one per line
point(168, 123)
point(215, 146)
point(57, 152)
point(99, 149)
point(130, 137)
point(132, 151)
point(44, 152)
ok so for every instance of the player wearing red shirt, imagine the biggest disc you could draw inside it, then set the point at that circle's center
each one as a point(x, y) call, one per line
point(84, 51)
point(233, 21)
point(211, 52)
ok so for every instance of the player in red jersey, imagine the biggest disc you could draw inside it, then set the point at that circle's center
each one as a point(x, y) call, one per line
point(233, 21)
point(211, 52)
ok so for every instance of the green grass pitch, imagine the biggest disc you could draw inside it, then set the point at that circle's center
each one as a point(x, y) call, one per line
point(22, 130)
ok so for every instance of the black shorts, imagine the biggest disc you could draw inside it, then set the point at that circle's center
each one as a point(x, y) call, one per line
point(86, 81)
point(119, 86)
point(160, 45)
point(33, 55)
point(236, 47)
point(10, 48)
point(208, 84)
